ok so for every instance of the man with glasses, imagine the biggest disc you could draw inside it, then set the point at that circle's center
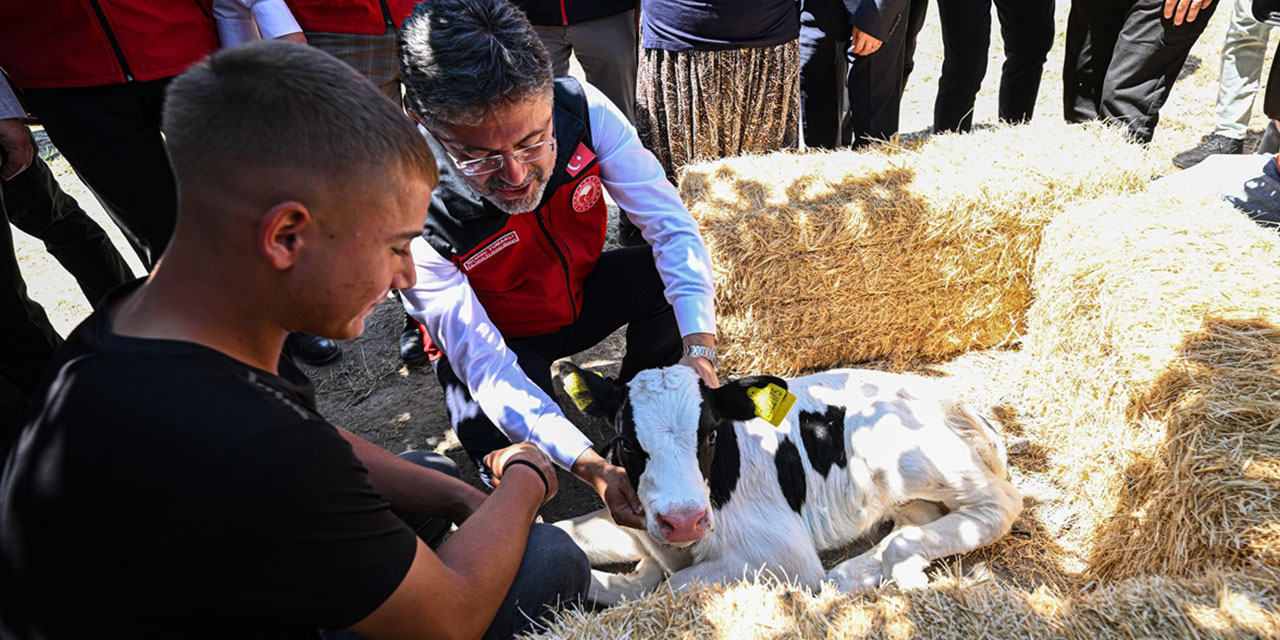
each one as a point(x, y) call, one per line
point(511, 272)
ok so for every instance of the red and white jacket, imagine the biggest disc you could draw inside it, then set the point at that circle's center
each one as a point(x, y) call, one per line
point(483, 274)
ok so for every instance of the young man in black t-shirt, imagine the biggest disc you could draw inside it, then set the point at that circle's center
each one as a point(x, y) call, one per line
point(178, 481)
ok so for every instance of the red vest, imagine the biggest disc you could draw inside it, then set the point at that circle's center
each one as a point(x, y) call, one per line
point(365, 17)
point(84, 43)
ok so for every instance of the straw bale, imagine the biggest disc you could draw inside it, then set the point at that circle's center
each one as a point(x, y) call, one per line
point(1220, 605)
point(1153, 368)
point(923, 250)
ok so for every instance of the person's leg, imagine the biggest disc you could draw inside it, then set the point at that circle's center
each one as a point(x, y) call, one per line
point(875, 89)
point(477, 433)
point(1027, 29)
point(1092, 29)
point(1149, 54)
point(111, 137)
point(625, 288)
point(915, 22)
point(824, 34)
point(39, 207)
point(431, 529)
point(554, 574)
point(1243, 50)
point(966, 36)
point(606, 48)
point(556, 41)
point(27, 338)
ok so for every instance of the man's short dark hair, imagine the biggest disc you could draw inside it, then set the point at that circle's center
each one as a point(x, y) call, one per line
point(460, 60)
point(274, 106)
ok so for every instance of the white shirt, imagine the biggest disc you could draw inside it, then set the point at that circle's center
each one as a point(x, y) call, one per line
point(446, 305)
point(241, 21)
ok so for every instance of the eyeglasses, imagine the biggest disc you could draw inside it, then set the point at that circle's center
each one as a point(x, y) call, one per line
point(489, 164)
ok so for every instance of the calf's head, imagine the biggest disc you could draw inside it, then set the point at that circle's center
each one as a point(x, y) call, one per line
point(676, 440)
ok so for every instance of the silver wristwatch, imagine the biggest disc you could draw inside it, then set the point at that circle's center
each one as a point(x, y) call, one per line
point(702, 352)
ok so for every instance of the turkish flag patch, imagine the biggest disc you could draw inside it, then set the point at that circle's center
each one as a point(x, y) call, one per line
point(582, 157)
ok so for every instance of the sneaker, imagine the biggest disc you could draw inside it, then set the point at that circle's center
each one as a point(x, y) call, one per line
point(1211, 144)
point(310, 349)
point(413, 349)
point(628, 232)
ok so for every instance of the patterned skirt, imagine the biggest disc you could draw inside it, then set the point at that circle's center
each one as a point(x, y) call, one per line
point(702, 105)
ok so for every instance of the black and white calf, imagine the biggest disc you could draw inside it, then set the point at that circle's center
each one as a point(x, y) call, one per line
point(726, 492)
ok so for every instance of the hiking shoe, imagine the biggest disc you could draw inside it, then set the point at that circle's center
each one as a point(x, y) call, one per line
point(413, 349)
point(1211, 144)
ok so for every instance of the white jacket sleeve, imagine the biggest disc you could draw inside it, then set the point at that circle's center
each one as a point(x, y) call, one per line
point(241, 21)
point(445, 304)
point(636, 181)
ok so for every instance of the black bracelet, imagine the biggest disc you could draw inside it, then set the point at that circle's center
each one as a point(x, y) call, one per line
point(546, 486)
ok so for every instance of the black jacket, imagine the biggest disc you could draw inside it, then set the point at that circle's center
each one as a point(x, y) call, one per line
point(877, 18)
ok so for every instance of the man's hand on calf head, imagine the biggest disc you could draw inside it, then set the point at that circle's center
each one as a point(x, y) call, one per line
point(705, 367)
point(614, 487)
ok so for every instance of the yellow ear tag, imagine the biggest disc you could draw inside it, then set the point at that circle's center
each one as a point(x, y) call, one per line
point(772, 402)
point(576, 387)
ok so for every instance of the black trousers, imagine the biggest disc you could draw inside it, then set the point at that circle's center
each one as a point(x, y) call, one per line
point(1122, 59)
point(111, 136)
point(623, 289)
point(27, 338)
point(1027, 29)
point(39, 207)
point(874, 83)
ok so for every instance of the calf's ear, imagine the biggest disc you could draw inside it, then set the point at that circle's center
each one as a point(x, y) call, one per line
point(591, 393)
point(735, 400)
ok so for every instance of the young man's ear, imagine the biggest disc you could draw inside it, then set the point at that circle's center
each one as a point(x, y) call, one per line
point(593, 394)
point(280, 233)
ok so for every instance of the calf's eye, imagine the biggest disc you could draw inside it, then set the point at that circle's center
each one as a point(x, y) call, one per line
point(711, 438)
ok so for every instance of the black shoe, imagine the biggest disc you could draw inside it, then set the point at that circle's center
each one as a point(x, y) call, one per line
point(1211, 144)
point(310, 349)
point(413, 349)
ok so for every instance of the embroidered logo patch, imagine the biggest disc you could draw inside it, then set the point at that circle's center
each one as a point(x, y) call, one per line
point(587, 194)
point(582, 157)
point(505, 240)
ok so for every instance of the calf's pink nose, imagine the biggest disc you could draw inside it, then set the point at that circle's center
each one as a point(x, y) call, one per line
point(683, 526)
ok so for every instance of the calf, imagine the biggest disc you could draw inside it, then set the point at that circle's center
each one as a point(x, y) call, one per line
point(727, 491)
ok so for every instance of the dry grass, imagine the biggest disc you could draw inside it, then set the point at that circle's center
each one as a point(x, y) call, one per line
point(923, 250)
point(1153, 365)
point(1219, 605)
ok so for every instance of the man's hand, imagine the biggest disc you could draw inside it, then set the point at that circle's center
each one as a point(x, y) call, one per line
point(614, 487)
point(864, 45)
point(16, 148)
point(1177, 10)
point(296, 36)
point(706, 370)
point(500, 461)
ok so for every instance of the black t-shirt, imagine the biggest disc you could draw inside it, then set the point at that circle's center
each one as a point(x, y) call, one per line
point(677, 25)
point(167, 490)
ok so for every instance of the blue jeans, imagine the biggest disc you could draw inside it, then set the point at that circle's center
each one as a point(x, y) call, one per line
point(554, 572)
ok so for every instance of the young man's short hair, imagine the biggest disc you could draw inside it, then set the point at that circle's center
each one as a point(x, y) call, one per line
point(273, 106)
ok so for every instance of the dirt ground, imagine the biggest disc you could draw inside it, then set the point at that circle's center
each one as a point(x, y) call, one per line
point(371, 392)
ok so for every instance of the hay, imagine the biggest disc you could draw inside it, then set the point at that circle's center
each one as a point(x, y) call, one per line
point(1221, 605)
point(824, 259)
point(1153, 368)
